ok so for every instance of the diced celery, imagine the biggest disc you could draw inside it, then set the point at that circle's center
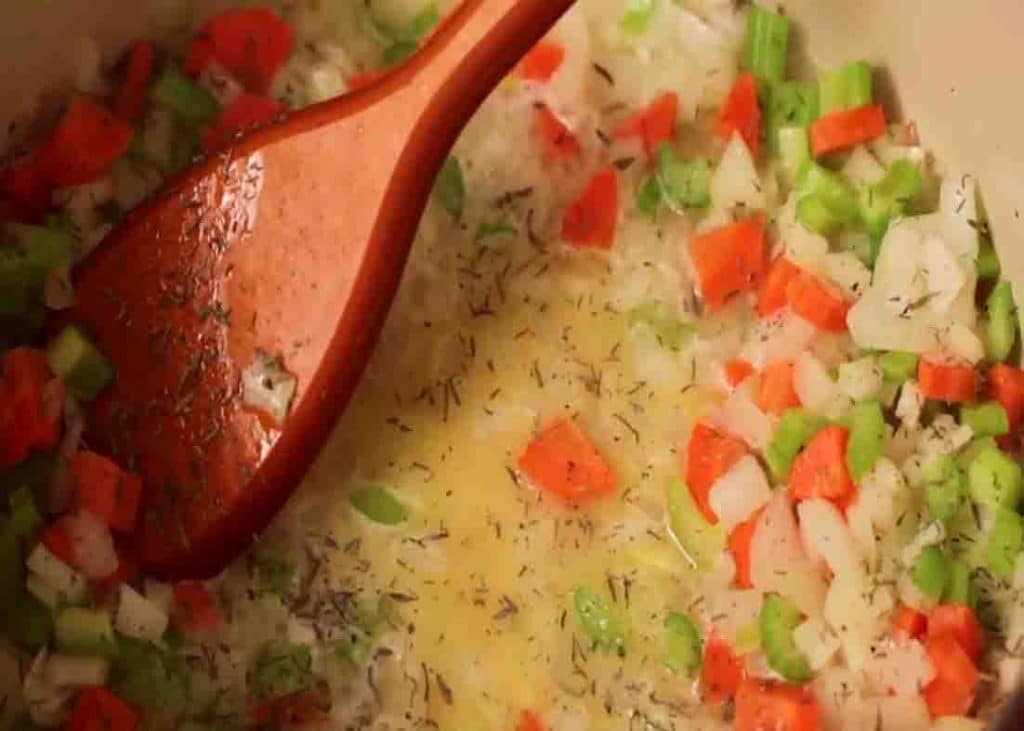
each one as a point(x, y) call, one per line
point(378, 504)
point(273, 571)
point(74, 356)
point(684, 183)
point(867, 437)
point(994, 480)
point(601, 620)
point(450, 187)
point(973, 449)
point(792, 104)
point(795, 429)
point(794, 145)
point(183, 96)
point(766, 47)
point(398, 52)
point(986, 420)
point(494, 229)
point(25, 517)
point(846, 88)
point(898, 366)
point(149, 677)
point(988, 260)
point(932, 572)
point(1005, 542)
point(888, 199)
point(1000, 322)
point(702, 542)
point(671, 332)
point(281, 668)
point(648, 197)
point(28, 255)
point(682, 644)
point(827, 200)
point(945, 487)
point(84, 631)
point(29, 621)
point(637, 18)
point(778, 620)
point(959, 590)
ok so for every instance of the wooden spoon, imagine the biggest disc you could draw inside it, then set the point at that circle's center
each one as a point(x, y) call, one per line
point(290, 245)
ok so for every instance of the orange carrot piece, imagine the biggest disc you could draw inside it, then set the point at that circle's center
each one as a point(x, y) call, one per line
point(558, 140)
point(737, 371)
point(589, 222)
point(951, 382)
point(776, 393)
point(820, 471)
point(654, 124)
point(708, 456)
point(847, 128)
point(729, 259)
point(541, 62)
point(741, 114)
point(951, 692)
point(768, 705)
point(773, 295)
point(562, 460)
point(721, 672)
point(817, 302)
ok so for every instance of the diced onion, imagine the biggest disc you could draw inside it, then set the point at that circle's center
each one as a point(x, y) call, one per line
point(860, 379)
point(826, 536)
point(813, 384)
point(735, 181)
point(903, 669)
point(266, 386)
point(48, 704)
point(138, 617)
point(783, 336)
point(816, 642)
point(159, 594)
point(861, 168)
point(53, 572)
point(778, 561)
point(742, 417)
point(77, 671)
point(739, 493)
point(42, 591)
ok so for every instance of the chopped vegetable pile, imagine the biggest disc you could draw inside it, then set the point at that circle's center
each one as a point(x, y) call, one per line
point(699, 405)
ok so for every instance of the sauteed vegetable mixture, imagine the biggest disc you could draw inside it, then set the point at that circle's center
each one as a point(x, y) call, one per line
point(698, 407)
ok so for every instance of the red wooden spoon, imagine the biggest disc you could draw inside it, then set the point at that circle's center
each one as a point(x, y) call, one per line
point(291, 244)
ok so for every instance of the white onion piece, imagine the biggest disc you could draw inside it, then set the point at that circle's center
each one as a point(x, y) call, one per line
point(51, 572)
point(816, 642)
point(267, 387)
point(739, 493)
point(778, 561)
point(92, 545)
point(909, 405)
point(903, 669)
point(783, 336)
point(48, 704)
point(860, 379)
point(735, 181)
point(77, 671)
point(861, 167)
point(827, 537)
point(813, 384)
point(855, 613)
point(897, 713)
point(847, 272)
point(742, 417)
point(138, 617)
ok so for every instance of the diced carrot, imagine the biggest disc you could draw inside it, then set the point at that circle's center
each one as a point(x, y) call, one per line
point(817, 302)
point(364, 79)
point(250, 43)
point(774, 292)
point(951, 382)
point(310, 707)
point(729, 260)
point(721, 673)
point(542, 62)
point(909, 624)
point(58, 542)
point(30, 408)
point(959, 622)
point(244, 113)
point(1006, 385)
point(737, 371)
point(590, 221)
point(741, 114)
point(86, 141)
point(739, 547)
point(776, 393)
point(708, 456)
point(847, 128)
point(562, 460)
point(768, 705)
point(130, 103)
point(558, 140)
point(530, 721)
point(28, 184)
point(654, 124)
point(820, 470)
point(195, 609)
point(951, 692)
point(106, 491)
point(97, 709)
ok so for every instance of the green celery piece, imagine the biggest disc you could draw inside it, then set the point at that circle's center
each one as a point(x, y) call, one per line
point(898, 366)
point(450, 188)
point(766, 47)
point(986, 420)
point(648, 197)
point(281, 668)
point(684, 183)
point(960, 590)
point(398, 52)
point(1005, 542)
point(601, 620)
point(671, 332)
point(378, 504)
point(84, 368)
point(27, 256)
point(183, 96)
point(889, 199)
point(988, 260)
point(975, 447)
point(29, 622)
point(867, 437)
point(795, 429)
point(638, 16)
point(490, 229)
point(84, 631)
point(994, 480)
point(683, 647)
point(702, 542)
point(778, 620)
point(1000, 322)
point(273, 572)
point(932, 572)
point(25, 518)
point(45, 248)
point(846, 88)
point(827, 200)
point(148, 677)
point(794, 148)
point(792, 104)
point(945, 487)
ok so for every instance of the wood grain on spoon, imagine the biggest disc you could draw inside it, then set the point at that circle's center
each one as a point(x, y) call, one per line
point(291, 244)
